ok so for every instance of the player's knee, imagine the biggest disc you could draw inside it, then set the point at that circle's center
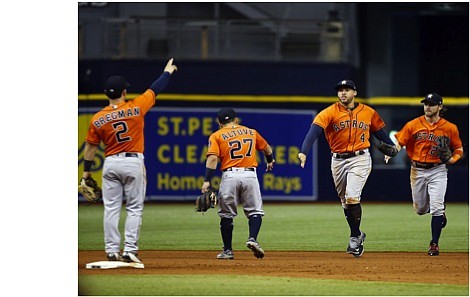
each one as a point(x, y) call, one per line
point(226, 221)
point(255, 220)
point(253, 213)
point(420, 210)
point(348, 207)
point(437, 212)
point(353, 200)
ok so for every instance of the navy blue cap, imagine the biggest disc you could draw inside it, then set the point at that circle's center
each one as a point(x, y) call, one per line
point(433, 98)
point(114, 86)
point(226, 114)
point(346, 83)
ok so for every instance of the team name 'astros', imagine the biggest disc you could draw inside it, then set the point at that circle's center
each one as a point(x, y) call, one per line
point(115, 115)
point(347, 124)
point(234, 133)
point(425, 136)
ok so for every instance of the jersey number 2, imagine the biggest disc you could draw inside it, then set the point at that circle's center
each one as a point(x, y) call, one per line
point(236, 146)
point(121, 129)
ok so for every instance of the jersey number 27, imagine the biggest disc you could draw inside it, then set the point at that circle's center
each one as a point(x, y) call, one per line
point(238, 146)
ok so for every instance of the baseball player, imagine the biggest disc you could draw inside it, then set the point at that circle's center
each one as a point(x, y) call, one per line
point(120, 126)
point(347, 126)
point(428, 173)
point(236, 146)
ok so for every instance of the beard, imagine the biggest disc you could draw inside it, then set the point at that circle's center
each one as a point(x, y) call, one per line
point(430, 113)
point(346, 101)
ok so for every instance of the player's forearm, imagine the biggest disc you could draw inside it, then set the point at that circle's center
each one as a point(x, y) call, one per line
point(268, 154)
point(399, 147)
point(310, 138)
point(159, 84)
point(90, 151)
point(268, 151)
point(458, 153)
point(383, 136)
point(211, 165)
point(88, 156)
point(211, 162)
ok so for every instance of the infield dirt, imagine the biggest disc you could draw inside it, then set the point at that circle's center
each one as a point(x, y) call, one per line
point(447, 268)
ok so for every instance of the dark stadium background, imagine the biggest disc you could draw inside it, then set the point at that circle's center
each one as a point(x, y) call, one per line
point(393, 50)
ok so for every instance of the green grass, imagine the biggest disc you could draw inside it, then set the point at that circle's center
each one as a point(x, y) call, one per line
point(229, 285)
point(313, 227)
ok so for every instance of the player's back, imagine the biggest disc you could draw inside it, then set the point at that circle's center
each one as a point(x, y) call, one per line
point(236, 146)
point(120, 127)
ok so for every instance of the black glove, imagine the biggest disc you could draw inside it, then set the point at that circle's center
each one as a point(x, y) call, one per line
point(443, 149)
point(206, 200)
point(387, 149)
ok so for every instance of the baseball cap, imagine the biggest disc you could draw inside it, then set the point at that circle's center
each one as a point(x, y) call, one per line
point(114, 86)
point(433, 98)
point(226, 114)
point(346, 83)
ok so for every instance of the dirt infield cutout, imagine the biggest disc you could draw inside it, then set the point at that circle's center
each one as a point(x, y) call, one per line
point(372, 266)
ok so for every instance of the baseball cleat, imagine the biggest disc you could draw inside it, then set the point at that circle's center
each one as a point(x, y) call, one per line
point(254, 246)
point(130, 257)
point(225, 255)
point(433, 249)
point(356, 245)
point(114, 257)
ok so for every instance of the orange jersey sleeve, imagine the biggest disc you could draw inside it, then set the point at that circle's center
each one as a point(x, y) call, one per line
point(420, 138)
point(236, 146)
point(348, 130)
point(121, 128)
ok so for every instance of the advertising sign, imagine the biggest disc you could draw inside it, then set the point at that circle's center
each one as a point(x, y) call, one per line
point(176, 144)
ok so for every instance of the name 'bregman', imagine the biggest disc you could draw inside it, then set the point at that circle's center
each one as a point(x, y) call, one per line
point(115, 115)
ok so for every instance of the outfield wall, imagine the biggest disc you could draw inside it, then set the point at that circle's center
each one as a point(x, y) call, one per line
point(197, 93)
point(176, 145)
point(175, 148)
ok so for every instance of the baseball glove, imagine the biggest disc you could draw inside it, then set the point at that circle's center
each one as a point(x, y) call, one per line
point(206, 200)
point(90, 190)
point(387, 149)
point(443, 149)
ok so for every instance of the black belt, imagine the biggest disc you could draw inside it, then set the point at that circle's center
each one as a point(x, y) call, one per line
point(128, 155)
point(348, 155)
point(246, 169)
point(424, 165)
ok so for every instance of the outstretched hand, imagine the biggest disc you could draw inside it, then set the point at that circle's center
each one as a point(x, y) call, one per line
point(386, 159)
point(270, 166)
point(205, 186)
point(302, 159)
point(170, 67)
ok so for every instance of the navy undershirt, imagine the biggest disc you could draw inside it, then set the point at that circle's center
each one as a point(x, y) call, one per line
point(158, 85)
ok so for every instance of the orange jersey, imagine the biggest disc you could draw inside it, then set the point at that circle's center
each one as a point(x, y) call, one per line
point(348, 130)
point(420, 138)
point(236, 146)
point(121, 128)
